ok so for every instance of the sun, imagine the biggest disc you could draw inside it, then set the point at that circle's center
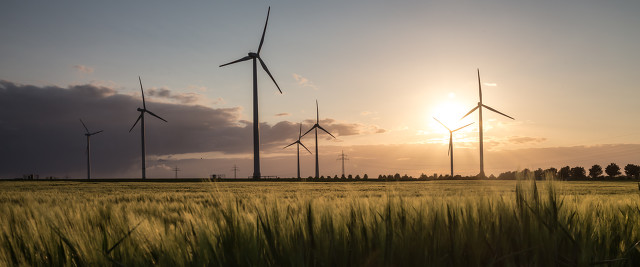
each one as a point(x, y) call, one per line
point(449, 113)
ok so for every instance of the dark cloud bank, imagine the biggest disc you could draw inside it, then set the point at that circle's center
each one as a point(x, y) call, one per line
point(41, 132)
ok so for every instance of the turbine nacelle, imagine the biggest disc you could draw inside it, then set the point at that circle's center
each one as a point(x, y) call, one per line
point(141, 109)
point(254, 55)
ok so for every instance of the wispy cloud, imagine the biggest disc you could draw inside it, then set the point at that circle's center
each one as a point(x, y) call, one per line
point(304, 82)
point(490, 84)
point(83, 69)
point(525, 139)
point(283, 114)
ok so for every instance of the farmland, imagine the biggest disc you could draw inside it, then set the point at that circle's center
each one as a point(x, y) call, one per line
point(452, 223)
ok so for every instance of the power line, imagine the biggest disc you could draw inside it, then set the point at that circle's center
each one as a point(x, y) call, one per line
point(235, 170)
point(176, 170)
point(342, 157)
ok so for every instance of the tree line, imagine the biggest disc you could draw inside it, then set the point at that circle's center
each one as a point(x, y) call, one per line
point(596, 172)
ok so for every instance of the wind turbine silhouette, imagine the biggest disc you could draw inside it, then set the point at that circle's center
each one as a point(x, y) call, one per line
point(298, 144)
point(142, 111)
point(479, 108)
point(317, 126)
point(88, 135)
point(450, 152)
point(256, 128)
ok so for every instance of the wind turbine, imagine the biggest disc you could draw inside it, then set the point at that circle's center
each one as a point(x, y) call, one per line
point(479, 108)
point(450, 152)
point(298, 144)
point(142, 111)
point(88, 135)
point(256, 128)
point(317, 126)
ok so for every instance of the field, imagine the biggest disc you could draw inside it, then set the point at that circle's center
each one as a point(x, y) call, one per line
point(437, 223)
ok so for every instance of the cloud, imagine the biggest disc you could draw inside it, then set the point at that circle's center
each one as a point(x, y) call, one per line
point(83, 68)
point(304, 82)
point(366, 113)
point(42, 134)
point(182, 98)
point(345, 129)
point(490, 84)
point(283, 114)
point(525, 139)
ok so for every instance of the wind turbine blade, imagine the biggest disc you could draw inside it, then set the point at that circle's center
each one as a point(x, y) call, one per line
point(290, 144)
point(441, 123)
point(85, 126)
point(153, 114)
point(264, 31)
point(134, 124)
point(239, 60)
point(326, 131)
point(97, 132)
point(462, 127)
point(144, 104)
point(314, 126)
point(474, 109)
point(490, 108)
point(264, 66)
point(479, 86)
point(305, 147)
point(317, 113)
point(300, 134)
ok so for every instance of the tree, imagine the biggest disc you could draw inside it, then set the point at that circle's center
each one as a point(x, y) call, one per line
point(396, 177)
point(365, 177)
point(565, 172)
point(595, 171)
point(357, 177)
point(578, 173)
point(612, 170)
point(632, 170)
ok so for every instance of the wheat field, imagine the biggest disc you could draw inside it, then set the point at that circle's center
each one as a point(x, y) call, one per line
point(437, 223)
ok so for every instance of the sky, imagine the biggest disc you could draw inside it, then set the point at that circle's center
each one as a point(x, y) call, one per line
point(380, 70)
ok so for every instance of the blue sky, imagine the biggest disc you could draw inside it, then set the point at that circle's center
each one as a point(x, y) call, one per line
point(566, 70)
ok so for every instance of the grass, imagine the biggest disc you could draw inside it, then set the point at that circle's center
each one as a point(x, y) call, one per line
point(444, 223)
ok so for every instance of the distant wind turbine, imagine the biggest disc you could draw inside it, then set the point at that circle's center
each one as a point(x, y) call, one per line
point(142, 111)
point(256, 128)
point(88, 135)
point(479, 108)
point(317, 126)
point(450, 152)
point(298, 144)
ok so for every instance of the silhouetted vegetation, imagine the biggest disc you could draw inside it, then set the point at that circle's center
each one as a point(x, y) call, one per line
point(595, 171)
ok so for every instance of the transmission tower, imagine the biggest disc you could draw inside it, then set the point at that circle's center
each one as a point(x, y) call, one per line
point(235, 170)
point(176, 170)
point(342, 157)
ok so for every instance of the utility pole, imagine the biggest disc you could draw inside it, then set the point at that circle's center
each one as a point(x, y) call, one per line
point(342, 157)
point(176, 170)
point(235, 170)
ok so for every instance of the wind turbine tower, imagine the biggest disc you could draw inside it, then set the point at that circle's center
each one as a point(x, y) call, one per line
point(142, 111)
point(479, 108)
point(298, 144)
point(88, 135)
point(256, 129)
point(316, 127)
